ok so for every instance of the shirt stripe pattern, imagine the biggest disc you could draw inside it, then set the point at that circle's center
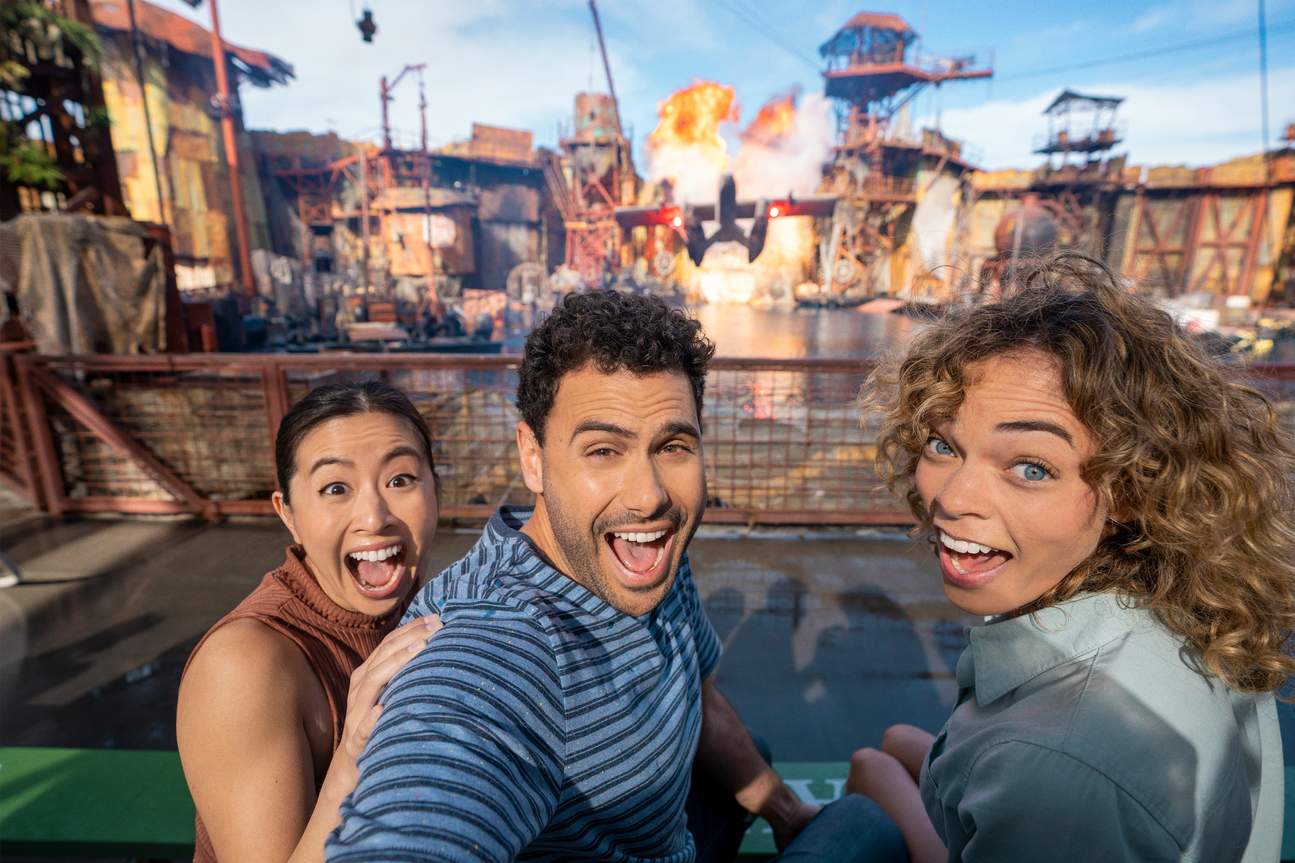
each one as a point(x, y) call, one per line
point(539, 724)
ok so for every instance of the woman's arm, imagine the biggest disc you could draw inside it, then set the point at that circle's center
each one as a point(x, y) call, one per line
point(241, 727)
point(1031, 802)
point(886, 780)
point(362, 712)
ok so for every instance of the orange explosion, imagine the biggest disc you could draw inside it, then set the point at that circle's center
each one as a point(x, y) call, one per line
point(691, 118)
point(774, 122)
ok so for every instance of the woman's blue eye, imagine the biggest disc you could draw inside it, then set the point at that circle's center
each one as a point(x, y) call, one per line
point(939, 447)
point(1032, 472)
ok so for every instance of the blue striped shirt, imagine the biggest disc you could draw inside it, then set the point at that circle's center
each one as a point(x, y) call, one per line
point(539, 724)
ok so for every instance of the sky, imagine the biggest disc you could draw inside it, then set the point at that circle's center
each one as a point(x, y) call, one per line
point(1188, 69)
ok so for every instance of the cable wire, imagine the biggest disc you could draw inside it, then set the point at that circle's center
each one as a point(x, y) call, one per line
point(743, 15)
point(1248, 33)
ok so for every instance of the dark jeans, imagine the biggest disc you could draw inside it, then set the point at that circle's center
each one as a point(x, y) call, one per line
point(850, 830)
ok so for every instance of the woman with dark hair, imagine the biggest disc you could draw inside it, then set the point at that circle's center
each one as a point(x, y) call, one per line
point(278, 697)
point(1121, 509)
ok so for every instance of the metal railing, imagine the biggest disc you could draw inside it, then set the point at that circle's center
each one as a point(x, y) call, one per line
point(193, 433)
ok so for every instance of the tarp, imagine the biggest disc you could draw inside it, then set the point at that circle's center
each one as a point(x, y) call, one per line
point(88, 284)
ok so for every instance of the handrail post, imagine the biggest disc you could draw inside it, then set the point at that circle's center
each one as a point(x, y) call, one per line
point(274, 385)
point(12, 419)
point(42, 435)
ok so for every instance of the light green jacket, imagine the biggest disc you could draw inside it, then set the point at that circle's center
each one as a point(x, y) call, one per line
point(1084, 732)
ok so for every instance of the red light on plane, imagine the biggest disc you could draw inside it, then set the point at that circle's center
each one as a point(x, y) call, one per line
point(677, 221)
point(774, 212)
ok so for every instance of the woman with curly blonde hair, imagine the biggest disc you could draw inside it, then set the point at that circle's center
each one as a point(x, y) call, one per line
point(1120, 508)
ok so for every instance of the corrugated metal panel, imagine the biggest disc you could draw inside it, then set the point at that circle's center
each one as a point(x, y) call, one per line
point(509, 203)
point(459, 257)
point(504, 245)
point(501, 143)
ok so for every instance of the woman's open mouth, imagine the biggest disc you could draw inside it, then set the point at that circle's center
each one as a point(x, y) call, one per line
point(379, 570)
point(641, 556)
point(969, 564)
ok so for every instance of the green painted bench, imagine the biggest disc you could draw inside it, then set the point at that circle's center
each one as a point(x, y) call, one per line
point(129, 803)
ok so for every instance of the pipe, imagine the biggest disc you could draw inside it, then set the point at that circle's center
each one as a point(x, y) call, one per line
point(231, 153)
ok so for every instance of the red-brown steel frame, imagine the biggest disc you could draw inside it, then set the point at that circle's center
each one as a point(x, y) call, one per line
point(30, 383)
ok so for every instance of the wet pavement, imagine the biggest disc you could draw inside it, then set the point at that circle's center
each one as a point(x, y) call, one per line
point(828, 638)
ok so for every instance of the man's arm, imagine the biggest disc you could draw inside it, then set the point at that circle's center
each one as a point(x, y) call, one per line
point(727, 753)
point(465, 762)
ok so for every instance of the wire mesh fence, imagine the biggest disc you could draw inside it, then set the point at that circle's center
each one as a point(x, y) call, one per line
point(784, 440)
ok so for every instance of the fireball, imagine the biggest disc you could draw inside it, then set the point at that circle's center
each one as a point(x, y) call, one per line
point(775, 121)
point(691, 117)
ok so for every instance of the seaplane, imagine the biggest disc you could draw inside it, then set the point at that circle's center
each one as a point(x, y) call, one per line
point(689, 220)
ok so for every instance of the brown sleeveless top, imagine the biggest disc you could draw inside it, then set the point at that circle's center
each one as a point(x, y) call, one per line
point(335, 641)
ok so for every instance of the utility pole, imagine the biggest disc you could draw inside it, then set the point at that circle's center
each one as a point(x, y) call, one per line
point(364, 218)
point(422, 111)
point(224, 103)
point(433, 256)
point(138, 53)
point(384, 93)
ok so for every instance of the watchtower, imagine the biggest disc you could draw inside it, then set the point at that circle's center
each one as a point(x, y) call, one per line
point(873, 69)
point(1081, 125)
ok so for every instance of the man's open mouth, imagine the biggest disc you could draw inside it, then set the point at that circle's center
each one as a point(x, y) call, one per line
point(379, 570)
point(641, 555)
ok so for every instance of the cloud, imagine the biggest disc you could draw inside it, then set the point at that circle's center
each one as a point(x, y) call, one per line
point(1199, 122)
point(1053, 34)
point(1153, 19)
point(501, 62)
point(1202, 15)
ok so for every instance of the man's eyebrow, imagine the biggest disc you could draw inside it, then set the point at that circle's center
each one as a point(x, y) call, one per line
point(1036, 425)
point(601, 426)
point(681, 428)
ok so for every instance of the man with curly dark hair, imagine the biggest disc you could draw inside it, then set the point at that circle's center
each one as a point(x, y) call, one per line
point(558, 713)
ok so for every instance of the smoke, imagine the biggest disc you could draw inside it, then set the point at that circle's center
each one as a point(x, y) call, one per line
point(767, 165)
point(782, 153)
point(695, 171)
point(789, 163)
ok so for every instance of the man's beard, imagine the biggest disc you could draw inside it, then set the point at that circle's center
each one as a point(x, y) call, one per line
point(581, 549)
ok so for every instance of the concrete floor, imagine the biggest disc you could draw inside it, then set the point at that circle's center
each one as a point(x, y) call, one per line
point(828, 637)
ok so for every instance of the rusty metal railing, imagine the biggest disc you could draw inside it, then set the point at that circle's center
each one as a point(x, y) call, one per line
point(17, 468)
point(193, 433)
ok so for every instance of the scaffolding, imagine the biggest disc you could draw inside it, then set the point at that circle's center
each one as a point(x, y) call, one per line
point(873, 70)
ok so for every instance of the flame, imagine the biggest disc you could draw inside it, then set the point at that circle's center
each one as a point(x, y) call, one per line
point(775, 121)
point(691, 118)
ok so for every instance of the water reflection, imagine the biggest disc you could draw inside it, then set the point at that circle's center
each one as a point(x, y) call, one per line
point(744, 331)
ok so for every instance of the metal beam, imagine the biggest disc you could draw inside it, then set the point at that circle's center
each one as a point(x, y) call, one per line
point(84, 411)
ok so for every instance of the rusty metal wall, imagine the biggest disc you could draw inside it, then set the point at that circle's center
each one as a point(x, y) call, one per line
point(504, 245)
point(509, 202)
